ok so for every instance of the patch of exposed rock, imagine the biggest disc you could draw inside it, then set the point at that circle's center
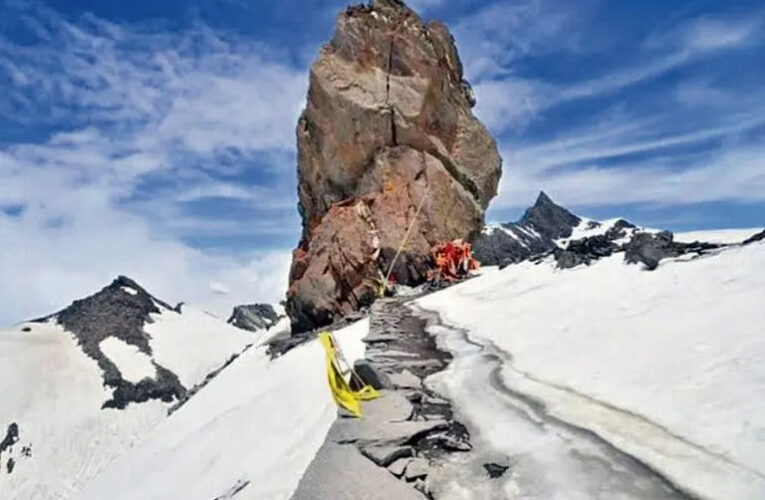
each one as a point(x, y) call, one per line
point(254, 317)
point(546, 230)
point(755, 238)
point(120, 310)
point(387, 130)
point(533, 234)
point(650, 248)
point(585, 251)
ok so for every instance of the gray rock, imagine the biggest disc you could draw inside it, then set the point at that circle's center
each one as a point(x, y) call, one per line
point(618, 230)
point(650, 249)
point(254, 317)
point(405, 380)
point(365, 431)
point(371, 374)
point(340, 472)
point(584, 251)
point(391, 406)
point(386, 455)
point(418, 468)
point(398, 467)
point(494, 470)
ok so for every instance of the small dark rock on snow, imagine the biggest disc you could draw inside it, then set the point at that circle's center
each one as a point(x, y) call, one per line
point(650, 248)
point(584, 251)
point(495, 471)
point(254, 317)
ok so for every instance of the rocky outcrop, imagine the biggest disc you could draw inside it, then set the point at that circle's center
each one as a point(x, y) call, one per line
point(533, 234)
point(547, 229)
point(584, 251)
point(755, 238)
point(650, 248)
point(387, 137)
point(253, 317)
point(120, 311)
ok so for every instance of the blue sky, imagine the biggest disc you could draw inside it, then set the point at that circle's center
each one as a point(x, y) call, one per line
point(156, 139)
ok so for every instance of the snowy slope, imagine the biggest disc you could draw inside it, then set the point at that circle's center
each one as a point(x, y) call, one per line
point(717, 235)
point(54, 394)
point(73, 402)
point(251, 432)
point(665, 365)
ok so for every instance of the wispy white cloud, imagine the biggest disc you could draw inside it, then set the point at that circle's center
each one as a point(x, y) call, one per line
point(507, 99)
point(422, 6)
point(732, 174)
point(705, 33)
point(501, 32)
point(621, 142)
point(146, 120)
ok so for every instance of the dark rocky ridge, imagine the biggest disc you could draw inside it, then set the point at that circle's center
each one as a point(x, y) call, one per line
point(254, 317)
point(650, 248)
point(116, 312)
point(534, 237)
point(755, 238)
point(533, 234)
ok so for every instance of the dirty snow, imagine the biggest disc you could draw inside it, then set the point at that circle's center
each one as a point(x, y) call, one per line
point(664, 365)
point(254, 429)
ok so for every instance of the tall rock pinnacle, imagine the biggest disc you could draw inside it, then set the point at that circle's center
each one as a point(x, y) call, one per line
point(387, 124)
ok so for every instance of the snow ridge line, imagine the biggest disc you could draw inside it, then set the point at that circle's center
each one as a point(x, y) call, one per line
point(208, 378)
point(629, 434)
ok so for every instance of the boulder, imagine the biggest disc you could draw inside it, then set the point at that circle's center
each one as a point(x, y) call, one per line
point(387, 123)
point(651, 248)
point(585, 250)
point(254, 317)
point(371, 374)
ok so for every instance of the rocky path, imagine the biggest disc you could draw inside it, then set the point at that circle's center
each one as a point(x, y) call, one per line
point(447, 428)
point(405, 435)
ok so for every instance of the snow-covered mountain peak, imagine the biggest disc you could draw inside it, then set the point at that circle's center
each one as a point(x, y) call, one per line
point(548, 219)
point(83, 385)
point(549, 230)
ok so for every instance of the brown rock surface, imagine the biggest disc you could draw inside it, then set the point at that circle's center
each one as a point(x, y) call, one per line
point(388, 122)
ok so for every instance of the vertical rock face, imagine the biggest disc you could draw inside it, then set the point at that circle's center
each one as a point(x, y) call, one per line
point(387, 124)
